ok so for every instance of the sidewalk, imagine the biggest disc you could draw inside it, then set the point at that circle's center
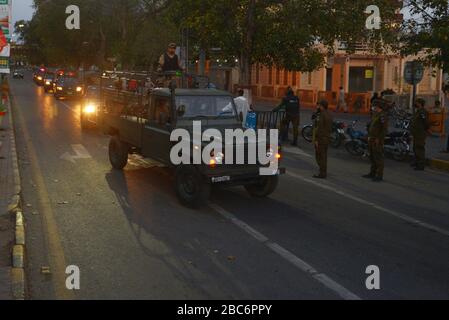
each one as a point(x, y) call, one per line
point(7, 191)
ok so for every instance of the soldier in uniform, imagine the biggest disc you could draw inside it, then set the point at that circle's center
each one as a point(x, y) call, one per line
point(420, 129)
point(290, 103)
point(377, 130)
point(170, 61)
point(322, 130)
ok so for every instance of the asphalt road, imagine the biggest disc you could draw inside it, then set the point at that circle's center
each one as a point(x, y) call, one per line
point(131, 238)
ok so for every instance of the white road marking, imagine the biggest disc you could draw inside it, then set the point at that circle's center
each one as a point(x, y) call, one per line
point(393, 213)
point(80, 153)
point(68, 107)
point(296, 151)
point(288, 256)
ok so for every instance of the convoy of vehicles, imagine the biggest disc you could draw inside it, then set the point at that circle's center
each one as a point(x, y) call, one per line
point(38, 76)
point(66, 87)
point(49, 80)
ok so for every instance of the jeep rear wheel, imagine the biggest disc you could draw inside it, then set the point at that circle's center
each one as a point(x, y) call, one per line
point(118, 153)
point(191, 188)
point(266, 186)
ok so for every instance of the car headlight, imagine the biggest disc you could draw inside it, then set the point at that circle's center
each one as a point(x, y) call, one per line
point(90, 108)
point(79, 89)
point(39, 78)
point(47, 83)
point(216, 159)
point(59, 88)
point(274, 155)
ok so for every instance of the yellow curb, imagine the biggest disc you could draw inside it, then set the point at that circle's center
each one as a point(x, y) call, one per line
point(17, 256)
point(20, 235)
point(439, 164)
point(19, 219)
point(18, 283)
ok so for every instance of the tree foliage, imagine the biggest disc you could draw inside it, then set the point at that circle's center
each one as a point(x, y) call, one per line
point(427, 31)
point(123, 31)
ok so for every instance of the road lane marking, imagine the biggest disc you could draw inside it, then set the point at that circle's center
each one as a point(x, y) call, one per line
point(52, 240)
point(322, 278)
point(68, 107)
point(296, 151)
point(393, 213)
point(80, 153)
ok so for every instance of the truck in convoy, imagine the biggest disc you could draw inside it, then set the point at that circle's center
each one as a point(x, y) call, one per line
point(141, 115)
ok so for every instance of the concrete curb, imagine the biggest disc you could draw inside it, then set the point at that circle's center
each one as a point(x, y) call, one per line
point(18, 253)
point(439, 164)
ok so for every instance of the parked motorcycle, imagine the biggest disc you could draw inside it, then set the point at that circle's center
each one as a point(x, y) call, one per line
point(397, 144)
point(337, 135)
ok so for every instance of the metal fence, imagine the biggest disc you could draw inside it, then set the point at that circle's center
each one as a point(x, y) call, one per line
point(269, 119)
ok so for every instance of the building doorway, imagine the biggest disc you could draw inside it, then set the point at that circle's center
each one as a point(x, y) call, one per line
point(361, 79)
point(329, 74)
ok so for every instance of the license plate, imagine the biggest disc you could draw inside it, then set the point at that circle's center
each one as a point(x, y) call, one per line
point(221, 179)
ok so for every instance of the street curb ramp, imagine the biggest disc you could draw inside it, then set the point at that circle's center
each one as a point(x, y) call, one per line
point(18, 286)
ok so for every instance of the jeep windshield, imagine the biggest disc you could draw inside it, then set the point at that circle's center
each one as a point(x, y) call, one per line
point(191, 107)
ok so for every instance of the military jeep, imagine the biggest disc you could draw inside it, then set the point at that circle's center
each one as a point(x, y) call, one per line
point(143, 123)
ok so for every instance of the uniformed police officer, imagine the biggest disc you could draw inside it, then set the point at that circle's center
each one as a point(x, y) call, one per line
point(322, 130)
point(290, 103)
point(420, 129)
point(377, 130)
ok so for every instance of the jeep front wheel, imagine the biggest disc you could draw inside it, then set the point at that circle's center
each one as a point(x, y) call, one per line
point(264, 187)
point(118, 153)
point(191, 188)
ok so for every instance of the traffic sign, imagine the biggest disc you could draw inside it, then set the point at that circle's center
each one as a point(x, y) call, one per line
point(413, 72)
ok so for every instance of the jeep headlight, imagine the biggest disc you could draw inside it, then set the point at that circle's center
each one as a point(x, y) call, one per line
point(90, 108)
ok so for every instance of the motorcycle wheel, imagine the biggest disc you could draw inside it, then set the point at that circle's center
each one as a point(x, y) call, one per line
point(401, 152)
point(307, 133)
point(355, 148)
point(336, 140)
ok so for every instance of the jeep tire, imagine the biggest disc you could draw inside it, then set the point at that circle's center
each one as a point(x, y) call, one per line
point(191, 187)
point(265, 187)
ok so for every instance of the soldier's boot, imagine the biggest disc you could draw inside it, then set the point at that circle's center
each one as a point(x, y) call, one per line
point(369, 176)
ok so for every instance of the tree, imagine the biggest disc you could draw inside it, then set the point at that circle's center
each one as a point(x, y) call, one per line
point(427, 31)
point(292, 34)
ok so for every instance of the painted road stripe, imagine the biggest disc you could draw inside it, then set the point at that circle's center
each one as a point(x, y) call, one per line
point(287, 255)
point(67, 106)
point(296, 151)
point(393, 213)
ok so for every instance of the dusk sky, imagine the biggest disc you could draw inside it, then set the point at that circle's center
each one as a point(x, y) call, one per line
point(21, 9)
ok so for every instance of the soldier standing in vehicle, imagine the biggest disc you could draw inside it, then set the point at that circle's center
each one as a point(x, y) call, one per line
point(170, 61)
point(322, 131)
point(290, 103)
point(420, 129)
point(377, 130)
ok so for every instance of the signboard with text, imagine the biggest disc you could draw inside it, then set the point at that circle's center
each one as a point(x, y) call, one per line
point(5, 35)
